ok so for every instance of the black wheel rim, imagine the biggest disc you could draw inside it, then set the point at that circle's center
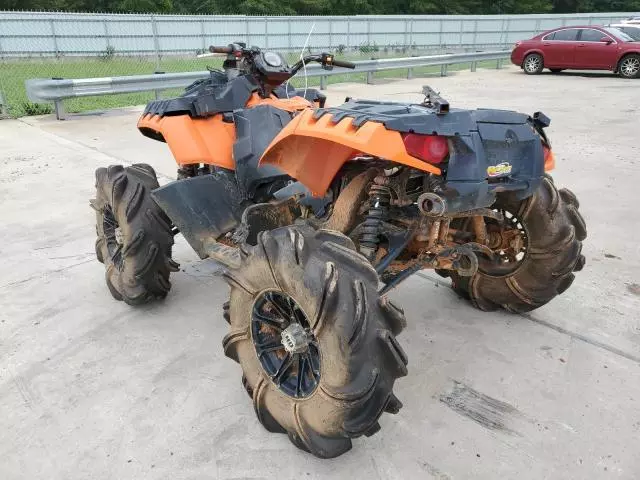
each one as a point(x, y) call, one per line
point(295, 371)
point(506, 260)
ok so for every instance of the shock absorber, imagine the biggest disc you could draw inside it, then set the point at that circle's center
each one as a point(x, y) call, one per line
point(380, 198)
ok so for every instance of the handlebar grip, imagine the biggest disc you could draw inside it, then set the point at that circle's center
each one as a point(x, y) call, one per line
point(227, 49)
point(343, 64)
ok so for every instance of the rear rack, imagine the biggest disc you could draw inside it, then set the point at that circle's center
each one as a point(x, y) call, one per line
point(433, 100)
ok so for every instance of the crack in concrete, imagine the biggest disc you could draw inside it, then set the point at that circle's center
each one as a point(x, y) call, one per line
point(48, 272)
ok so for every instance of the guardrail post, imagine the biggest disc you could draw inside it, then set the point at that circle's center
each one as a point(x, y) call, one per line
point(409, 73)
point(323, 82)
point(370, 78)
point(473, 66)
point(59, 108)
point(157, 92)
point(443, 70)
point(499, 64)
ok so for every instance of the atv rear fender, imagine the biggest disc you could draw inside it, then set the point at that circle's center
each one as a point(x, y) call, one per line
point(313, 150)
point(489, 150)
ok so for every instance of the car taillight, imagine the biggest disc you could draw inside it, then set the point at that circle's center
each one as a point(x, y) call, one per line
point(517, 44)
point(430, 148)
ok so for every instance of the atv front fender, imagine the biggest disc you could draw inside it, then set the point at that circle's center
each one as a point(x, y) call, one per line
point(193, 140)
point(312, 150)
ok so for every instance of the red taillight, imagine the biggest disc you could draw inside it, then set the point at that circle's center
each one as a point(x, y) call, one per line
point(430, 148)
point(549, 159)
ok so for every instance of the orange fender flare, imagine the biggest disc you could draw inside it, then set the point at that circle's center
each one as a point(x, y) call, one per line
point(313, 150)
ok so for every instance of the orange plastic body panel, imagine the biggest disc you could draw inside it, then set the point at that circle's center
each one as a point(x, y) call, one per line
point(195, 140)
point(209, 140)
point(313, 150)
point(292, 104)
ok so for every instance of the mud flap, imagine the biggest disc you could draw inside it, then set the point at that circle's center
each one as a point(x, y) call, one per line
point(203, 208)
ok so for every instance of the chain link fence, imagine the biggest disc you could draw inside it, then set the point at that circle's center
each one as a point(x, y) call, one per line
point(66, 45)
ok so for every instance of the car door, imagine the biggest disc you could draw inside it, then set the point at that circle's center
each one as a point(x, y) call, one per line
point(559, 48)
point(592, 53)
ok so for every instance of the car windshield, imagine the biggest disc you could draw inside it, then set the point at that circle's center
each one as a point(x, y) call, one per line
point(620, 34)
point(633, 32)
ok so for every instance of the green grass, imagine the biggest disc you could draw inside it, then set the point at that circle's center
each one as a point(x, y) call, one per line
point(14, 73)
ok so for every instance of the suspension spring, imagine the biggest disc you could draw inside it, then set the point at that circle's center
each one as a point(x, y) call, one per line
point(380, 198)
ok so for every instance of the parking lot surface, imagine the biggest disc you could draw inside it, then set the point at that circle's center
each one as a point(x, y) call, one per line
point(93, 388)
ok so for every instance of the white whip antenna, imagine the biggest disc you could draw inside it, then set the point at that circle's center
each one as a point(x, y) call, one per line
point(304, 65)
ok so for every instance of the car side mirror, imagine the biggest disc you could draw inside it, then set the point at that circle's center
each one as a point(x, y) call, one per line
point(606, 40)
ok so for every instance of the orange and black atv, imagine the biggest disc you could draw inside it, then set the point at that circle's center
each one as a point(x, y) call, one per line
point(318, 213)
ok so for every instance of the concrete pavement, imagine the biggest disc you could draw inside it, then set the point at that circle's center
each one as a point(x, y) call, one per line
point(92, 388)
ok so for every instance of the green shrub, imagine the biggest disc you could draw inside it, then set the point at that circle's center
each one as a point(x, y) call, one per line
point(108, 53)
point(31, 109)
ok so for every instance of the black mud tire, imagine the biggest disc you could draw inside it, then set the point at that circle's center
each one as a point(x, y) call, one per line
point(355, 329)
point(138, 269)
point(555, 231)
point(533, 64)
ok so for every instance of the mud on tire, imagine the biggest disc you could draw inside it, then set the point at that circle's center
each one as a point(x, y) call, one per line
point(555, 231)
point(360, 359)
point(137, 259)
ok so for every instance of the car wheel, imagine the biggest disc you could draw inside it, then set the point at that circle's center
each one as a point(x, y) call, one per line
point(556, 70)
point(629, 66)
point(533, 64)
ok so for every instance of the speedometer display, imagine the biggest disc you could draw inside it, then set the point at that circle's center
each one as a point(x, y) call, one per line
point(272, 59)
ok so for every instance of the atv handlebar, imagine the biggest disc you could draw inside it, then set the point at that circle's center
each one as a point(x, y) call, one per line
point(327, 61)
point(226, 50)
point(344, 64)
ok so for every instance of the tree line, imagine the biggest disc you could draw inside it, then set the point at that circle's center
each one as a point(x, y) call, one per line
point(326, 7)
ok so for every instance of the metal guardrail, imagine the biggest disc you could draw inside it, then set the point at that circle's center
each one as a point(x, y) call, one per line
point(56, 90)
